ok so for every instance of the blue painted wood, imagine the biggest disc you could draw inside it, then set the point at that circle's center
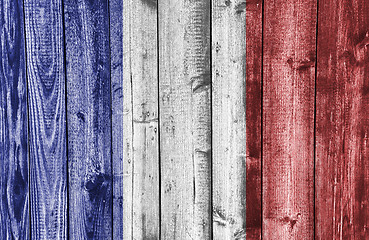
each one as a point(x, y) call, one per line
point(89, 118)
point(14, 218)
point(118, 140)
point(46, 101)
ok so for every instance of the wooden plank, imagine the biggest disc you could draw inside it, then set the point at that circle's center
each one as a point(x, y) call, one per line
point(127, 178)
point(46, 100)
point(144, 70)
point(140, 120)
point(120, 124)
point(185, 119)
point(254, 11)
point(229, 119)
point(89, 118)
point(288, 119)
point(14, 207)
point(342, 126)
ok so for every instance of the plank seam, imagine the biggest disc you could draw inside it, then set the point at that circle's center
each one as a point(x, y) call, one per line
point(111, 131)
point(28, 127)
point(261, 117)
point(66, 111)
point(211, 120)
point(158, 95)
point(315, 93)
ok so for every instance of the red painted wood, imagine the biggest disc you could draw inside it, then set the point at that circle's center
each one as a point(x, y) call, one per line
point(342, 167)
point(253, 117)
point(288, 119)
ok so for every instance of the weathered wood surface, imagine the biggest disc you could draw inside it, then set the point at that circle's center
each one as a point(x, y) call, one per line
point(89, 118)
point(342, 126)
point(14, 213)
point(126, 182)
point(254, 31)
point(47, 115)
point(229, 119)
point(141, 106)
point(288, 119)
point(119, 90)
point(185, 119)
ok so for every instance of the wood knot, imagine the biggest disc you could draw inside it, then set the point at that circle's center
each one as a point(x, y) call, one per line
point(240, 8)
point(291, 220)
point(360, 51)
point(303, 64)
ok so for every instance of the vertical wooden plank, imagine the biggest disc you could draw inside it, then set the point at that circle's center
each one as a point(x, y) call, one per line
point(46, 100)
point(229, 119)
point(254, 11)
point(288, 119)
point(144, 76)
point(121, 129)
point(185, 118)
point(14, 208)
point(342, 168)
point(89, 118)
point(140, 102)
point(127, 125)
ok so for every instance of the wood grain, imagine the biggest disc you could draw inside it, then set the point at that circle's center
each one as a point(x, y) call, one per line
point(141, 103)
point(119, 132)
point(229, 119)
point(288, 119)
point(46, 100)
point(342, 183)
point(254, 12)
point(185, 119)
point(145, 97)
point(89, 118)
point(127, 177)
point(14, 207)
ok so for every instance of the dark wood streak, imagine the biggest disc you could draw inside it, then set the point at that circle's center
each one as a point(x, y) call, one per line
point(14, 208)
point(253, 58)
point(89, 118)
point(116, 54)
point(46, 102)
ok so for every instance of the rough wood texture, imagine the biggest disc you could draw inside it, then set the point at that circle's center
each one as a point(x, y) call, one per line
point(142, 174)
point(89, 118)
point(144, 75)
point(342, 126)
point(254, 11)
point(185, 119)
point(288, 119)
point(127, 177)
point(46, 100)
point(119, 133)
point(14, 208)
point(229, 119)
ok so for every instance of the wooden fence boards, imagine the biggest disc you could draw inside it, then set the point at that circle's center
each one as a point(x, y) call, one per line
point(89, 118)
point(341, 121)
point(47, 115)
point(14, 208)
point(254, 32)
point(229, 120)
point(185, 119)
point(288, 119)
